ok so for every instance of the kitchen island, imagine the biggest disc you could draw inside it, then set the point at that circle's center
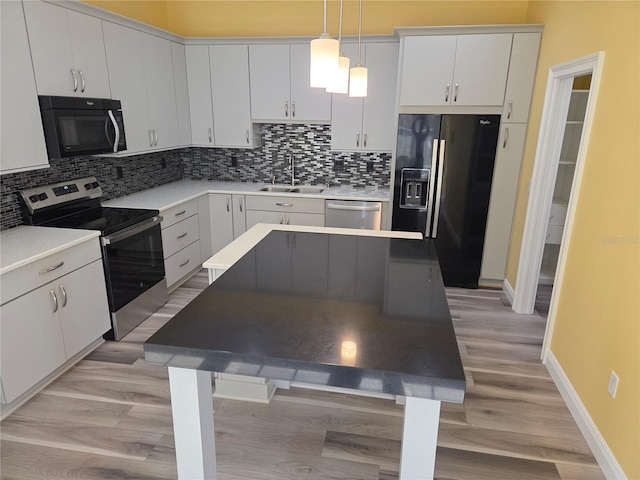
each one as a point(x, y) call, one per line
point(358, 312)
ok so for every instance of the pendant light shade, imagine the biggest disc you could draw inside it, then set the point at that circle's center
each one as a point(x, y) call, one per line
point(340, 79)
point(324, 57)
point(358, 74)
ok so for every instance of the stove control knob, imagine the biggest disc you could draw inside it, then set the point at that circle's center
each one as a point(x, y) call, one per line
point(42, 196)
point(95, 185)
point(88, 186)
point(33, 198)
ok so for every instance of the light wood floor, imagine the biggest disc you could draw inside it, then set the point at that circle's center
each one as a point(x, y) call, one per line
point(110, 417)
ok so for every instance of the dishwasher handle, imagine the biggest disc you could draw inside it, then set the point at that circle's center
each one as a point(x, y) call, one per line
point(358, 208)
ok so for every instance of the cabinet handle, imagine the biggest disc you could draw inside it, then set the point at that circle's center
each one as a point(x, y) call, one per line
point(64, 295)
point(506, 137)
point(286, 109)
point(155, 137)
point(288, 219)
point(82, 81)
point(293, 109)
point(509, 109)
point(55, 300)
point(357, 139)
point(281, 219)
point(455, 93)
point(241, 203)
point(446, 93)
point(364, 144)
point(50, 269)
point(548, 236)
point(181, 236)
point(181, 213)
point(150, 138)
point(228, 205)
point(210, 134)
point(75, 80)
point(183, 264)
point(284, 204)
point(247, 136)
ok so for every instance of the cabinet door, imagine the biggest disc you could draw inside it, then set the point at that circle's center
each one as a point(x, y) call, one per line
point(307, 104)
point(380, 103)
point(346, 113)
point(87, 45)
point(31, 340)
point(84, 311)
point(239, 215)
point(481, 66)
point(128, 84)
point(50, 48)
point(230, 92)
point(269, 80)
point(522, 72)
point(22, 144)
point(199, 80)
point(260, 216)
point(504, 188)
point(182, 93)
point(312, 219)
point(204, 227)
point(161, 93)
point(221, 215)
point(427, 69)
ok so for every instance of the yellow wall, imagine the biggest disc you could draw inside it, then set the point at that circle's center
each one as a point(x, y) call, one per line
point(597, 324)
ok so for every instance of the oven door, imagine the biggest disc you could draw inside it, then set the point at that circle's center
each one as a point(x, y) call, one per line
point(133, 261)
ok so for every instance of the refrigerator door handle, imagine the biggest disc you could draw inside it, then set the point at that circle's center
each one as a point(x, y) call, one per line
point(436, 216)
point(432, 182)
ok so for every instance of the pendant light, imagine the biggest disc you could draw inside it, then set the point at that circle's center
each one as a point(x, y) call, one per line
point(324, 57)
point(339, 82)
point(358, 74)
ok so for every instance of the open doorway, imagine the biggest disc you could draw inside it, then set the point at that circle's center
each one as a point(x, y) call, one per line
point(567, 116)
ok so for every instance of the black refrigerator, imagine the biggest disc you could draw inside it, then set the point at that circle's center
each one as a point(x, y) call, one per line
point(443, 171)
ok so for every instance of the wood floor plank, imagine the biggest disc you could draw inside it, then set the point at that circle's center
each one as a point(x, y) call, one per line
point(117, 352)
point(579, 472)
point(363, 448)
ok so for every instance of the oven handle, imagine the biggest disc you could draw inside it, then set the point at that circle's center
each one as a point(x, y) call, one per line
point(129, 232)
point(117, 129)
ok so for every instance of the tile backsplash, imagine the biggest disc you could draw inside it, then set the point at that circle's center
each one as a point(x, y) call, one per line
point(309, 145)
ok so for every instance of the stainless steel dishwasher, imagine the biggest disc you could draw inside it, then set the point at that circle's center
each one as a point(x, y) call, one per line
point(352, 214)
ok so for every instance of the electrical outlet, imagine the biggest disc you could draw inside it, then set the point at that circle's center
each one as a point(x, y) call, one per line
point(234, 161)
point(163, 163)
point(338, 165)
point(369, 166)
point(613, 384)
point(119, 173)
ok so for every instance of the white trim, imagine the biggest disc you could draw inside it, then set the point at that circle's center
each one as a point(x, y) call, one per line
point(467, 29)
point(601, 451)
point(556, 105)
point(508, 290)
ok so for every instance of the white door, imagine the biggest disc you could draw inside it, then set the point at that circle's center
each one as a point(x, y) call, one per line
point(481, 67)
point(230, 92)
point(128, 83)
point(161, 93)
point(307, 104)
point(346, 113)
point(182, 92)
point(380, 103)
point(269, 80)
point(198, 77)
point(427, 69)
point(221, 215)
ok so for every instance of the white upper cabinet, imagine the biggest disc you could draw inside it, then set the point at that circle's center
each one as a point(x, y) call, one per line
point(22, 144)
point(280, 90)
point(67, 49)
point(142, 78)
point(182, 92)
point(468, 70)
point(229, 66)
point(199, 80)
point(522, 72)
point(366, 124)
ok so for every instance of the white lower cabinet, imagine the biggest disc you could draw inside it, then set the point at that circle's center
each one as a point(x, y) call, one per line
point(43, 328)
point(284, 210)
point(181, 242)
point(227, 219)
point(181, 264)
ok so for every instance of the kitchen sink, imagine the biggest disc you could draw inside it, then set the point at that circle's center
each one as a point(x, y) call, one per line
point(298, 189)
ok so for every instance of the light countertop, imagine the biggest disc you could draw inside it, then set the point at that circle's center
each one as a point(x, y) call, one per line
point(22, 245)
point(172, 194)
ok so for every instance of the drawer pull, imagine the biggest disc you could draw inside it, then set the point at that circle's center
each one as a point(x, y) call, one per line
point(50, 269)
point(55, 300)
point(510, 109)
point(181, 236)
point(183, 264)
point(284, 204)
point(64, 295)
point(181, 213)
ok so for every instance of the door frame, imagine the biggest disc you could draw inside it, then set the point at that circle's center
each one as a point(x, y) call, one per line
point(545, 168)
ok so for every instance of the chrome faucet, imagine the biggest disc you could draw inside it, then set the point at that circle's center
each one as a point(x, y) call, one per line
point(294, 180)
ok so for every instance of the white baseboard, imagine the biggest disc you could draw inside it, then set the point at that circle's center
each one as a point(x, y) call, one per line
point(601, 451)
point(508, 290)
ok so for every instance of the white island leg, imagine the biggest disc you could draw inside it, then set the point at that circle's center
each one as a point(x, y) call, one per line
point(419, 438)
point(192, 410)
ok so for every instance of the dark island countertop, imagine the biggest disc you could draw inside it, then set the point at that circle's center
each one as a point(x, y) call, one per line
point(365, 313)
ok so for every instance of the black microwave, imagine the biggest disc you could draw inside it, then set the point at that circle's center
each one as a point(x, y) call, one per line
point(82, 126)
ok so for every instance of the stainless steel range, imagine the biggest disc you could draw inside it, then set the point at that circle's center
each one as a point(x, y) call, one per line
point(131, 245)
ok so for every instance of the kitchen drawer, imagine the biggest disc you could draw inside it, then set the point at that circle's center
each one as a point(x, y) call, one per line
point(182, 262)
point(554, 234)
point(179, 213)
point(179, 235)
point(31, 276)
point(285, 204)
point(558, 214)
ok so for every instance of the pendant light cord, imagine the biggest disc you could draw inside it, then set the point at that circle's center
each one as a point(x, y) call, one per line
point(340, 29)
point(324, 16)
point(359, 30)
